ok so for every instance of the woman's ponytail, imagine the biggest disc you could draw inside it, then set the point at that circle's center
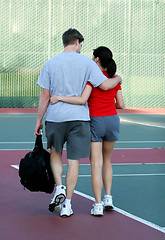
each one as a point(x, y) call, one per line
point(105, 57)
point(111, 69)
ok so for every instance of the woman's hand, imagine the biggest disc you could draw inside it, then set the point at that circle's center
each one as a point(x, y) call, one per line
point(54, 99)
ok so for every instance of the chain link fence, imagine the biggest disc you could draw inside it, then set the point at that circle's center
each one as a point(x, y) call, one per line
point(31, 33)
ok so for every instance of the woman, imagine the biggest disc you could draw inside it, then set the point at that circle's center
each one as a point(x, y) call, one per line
point(104, 125)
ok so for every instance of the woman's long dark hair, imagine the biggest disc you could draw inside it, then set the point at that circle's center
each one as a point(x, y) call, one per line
point(106, 60)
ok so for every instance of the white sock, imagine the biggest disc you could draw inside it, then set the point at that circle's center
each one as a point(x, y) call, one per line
point(107, 196)
point(67, 201)
point(98, 203)
point(58, 187)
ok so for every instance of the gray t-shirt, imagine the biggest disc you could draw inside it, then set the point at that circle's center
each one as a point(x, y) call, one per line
point(67, 74)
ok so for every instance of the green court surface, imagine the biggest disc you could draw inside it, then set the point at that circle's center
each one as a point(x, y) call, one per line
point(137, 131)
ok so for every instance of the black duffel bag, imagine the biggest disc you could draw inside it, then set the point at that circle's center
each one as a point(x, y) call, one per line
point(35, 171)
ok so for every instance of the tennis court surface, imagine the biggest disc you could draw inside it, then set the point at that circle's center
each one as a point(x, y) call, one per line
point(138, 184)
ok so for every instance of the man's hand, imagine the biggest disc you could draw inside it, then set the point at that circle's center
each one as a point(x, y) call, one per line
point(110, 83)
point(120, 78)
point(37, 128)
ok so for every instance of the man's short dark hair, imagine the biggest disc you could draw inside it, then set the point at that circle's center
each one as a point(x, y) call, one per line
point(70, 36)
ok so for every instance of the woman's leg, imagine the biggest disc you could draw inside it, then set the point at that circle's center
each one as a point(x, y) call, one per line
point(96, 169)
point(107, 167)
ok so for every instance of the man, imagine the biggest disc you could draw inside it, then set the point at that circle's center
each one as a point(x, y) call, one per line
point(67, 74)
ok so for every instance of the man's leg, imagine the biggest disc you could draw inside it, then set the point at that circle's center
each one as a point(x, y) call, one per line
point(56, 166)
point(57, 169)
point(71, 177)
point(78, 146)
point(71, 180)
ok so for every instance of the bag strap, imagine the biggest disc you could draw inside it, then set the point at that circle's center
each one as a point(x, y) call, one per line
point(38, 142)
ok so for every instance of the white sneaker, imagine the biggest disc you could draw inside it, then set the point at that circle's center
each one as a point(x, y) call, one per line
point(66, 210)
point(97, 209)
point(108, 203)
point(59, 197)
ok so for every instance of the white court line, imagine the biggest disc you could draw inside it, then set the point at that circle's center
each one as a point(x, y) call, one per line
point(114, 175)
point(125, 164)
point(150, 224)
point(18, 115)
point(141, 123)
point(19, 142)
point(130, 142)
point(122, 164)
point(129, 175)
point(141, 220)
point(22, 149)
point(15, 166)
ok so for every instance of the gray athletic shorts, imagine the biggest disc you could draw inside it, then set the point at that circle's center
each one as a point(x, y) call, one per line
point(105, 128)
point(76, 134)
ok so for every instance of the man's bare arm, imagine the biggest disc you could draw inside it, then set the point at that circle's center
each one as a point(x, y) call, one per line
point(43, 104)
point(110, 83)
